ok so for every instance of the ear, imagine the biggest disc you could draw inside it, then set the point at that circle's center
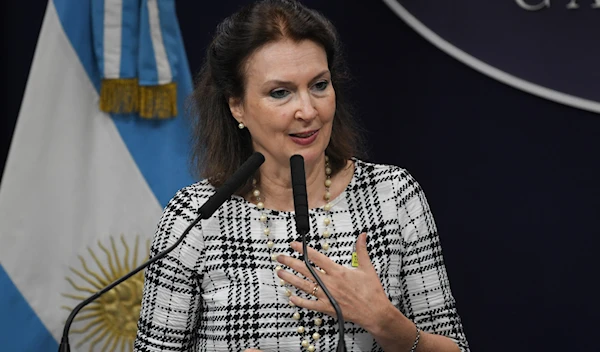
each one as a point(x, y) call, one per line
point(237, 108)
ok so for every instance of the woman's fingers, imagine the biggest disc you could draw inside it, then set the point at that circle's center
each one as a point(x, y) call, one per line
point(304, 285)
point(316, 305)
point(295, 264)
point(320, 259)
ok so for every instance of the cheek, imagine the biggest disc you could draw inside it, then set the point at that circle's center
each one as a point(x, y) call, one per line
point(329, 109)
point(332, 100)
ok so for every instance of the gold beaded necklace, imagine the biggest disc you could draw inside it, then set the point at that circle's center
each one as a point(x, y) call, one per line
point(318, 321)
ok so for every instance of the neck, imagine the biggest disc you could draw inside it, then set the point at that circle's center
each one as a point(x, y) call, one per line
point(276, 186)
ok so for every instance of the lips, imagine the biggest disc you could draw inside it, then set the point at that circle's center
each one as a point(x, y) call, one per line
point(303, 134)
point(304, 138)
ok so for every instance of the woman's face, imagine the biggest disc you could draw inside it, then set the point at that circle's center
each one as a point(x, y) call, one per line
point(289, 101)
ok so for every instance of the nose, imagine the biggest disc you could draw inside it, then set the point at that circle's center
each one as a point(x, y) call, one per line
point(306, 107)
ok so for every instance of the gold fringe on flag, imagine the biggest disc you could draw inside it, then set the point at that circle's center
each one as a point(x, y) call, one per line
point(158, 101)
point(119, 95)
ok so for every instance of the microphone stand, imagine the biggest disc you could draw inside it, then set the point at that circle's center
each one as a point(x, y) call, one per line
point(64, 343)
point(206, 210)
point(302, 226)
point(341, 346)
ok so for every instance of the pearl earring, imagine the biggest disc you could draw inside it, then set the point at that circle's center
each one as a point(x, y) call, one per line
point(241, 126)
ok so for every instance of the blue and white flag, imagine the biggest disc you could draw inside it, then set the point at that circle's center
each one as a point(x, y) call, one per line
point(83, 189)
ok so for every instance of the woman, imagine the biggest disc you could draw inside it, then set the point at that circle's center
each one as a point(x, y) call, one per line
point(272, 83)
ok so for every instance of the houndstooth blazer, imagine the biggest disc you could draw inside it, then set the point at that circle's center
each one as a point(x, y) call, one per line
point(218, 291)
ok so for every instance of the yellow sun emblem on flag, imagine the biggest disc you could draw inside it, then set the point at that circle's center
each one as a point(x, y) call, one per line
point(112, 318)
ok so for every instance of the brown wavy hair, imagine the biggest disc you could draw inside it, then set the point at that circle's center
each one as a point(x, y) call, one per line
point(219, 146)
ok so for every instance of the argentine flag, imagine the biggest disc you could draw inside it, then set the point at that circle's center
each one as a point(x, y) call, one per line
point(99, 148)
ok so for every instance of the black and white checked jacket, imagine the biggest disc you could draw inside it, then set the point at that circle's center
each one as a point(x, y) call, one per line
point(218, 290)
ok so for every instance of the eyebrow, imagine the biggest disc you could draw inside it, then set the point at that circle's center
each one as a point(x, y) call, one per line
point(283, 83)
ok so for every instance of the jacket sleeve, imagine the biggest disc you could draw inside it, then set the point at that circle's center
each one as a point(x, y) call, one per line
point(427, 298)
point(171, 296)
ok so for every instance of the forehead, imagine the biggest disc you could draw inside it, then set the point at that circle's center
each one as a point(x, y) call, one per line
point(286, 59)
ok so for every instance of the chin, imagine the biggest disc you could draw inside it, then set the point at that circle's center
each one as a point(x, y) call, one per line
point(311, 155)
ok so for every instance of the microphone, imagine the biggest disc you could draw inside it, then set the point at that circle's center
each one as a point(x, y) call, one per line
point(302, 226)
point(238, 178)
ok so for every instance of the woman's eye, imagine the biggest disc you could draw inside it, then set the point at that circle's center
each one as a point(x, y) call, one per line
point(321, 85)
point(279, 93)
